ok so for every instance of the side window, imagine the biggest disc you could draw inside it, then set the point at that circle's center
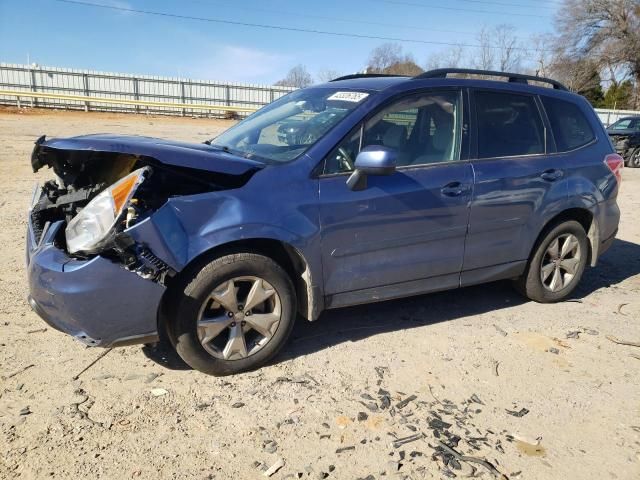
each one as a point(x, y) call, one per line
point(423, 129)
point(508, 125)
point(570, 127)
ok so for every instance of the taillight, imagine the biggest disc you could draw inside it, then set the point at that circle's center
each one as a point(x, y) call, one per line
point(615, 163)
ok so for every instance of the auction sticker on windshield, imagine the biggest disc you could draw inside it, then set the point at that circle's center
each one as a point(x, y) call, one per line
point(349, 96)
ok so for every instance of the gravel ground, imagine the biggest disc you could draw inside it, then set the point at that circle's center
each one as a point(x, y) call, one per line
point(530, 391)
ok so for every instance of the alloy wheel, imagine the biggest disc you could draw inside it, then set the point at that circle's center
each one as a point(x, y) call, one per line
point(239, 318)
point(561, 262)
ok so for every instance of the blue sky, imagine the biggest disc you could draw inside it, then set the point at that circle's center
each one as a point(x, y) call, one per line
point(61, 34)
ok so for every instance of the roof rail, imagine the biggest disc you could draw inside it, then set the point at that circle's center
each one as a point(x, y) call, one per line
point(513, 77)
point(365, 75)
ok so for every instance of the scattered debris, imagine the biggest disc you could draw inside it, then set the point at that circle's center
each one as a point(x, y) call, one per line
point(345, 449)
point(434, 395)
point(371, 406)
point(75, 410)
point(102, 355)
point(403, 441)
point(385, 399)
point(18, 372)
point(622, 342)
point(500, 331)
point(554, 350)
point(400, 405)
point(25, 411)
point(362, 416)
point(520, 413)
point(158, 392)
point(37, 330)
point(151, 377)
point(575, 334)
point(496, 364)
point(465, 458)
point(620, 309)
point(237, 405)
point(437, 424)
point(274, 468)
point(269, 446)
point(476, 399)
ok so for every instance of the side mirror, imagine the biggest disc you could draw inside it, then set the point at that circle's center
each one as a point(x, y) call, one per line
point(372, 160)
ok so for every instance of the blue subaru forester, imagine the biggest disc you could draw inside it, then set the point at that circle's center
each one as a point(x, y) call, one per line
point(363, 189)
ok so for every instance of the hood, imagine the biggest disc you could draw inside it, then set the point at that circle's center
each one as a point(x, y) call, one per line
point(197, 156)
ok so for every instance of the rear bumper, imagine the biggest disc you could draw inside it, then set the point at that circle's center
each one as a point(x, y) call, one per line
point(97, 301)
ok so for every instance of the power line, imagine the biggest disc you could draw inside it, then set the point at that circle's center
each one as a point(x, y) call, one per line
point(505, 4)
point(277, 27)
point(457, 9)
point(335, 19)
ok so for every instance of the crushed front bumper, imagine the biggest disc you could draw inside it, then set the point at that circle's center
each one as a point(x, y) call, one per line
point(96, 301)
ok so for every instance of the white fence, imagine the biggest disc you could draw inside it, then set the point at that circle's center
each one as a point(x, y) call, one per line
point(607, 117)
point(129, 93)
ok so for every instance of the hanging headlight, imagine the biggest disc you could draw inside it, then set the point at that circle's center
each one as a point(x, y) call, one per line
point(94, 226)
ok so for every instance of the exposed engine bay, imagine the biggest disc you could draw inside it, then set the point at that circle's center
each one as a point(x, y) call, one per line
point(82, 175)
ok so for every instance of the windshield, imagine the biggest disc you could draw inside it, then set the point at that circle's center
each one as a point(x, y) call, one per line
point(624, 124)
point(285, 129)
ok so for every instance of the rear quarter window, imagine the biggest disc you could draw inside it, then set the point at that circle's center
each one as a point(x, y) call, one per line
point(571, 129)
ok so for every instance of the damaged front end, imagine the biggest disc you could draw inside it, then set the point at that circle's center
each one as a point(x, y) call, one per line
point(88, 269)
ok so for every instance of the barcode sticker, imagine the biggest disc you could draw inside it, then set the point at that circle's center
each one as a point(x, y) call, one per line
point(349, 96)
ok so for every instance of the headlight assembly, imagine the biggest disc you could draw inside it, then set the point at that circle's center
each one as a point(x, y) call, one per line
point(94, 226)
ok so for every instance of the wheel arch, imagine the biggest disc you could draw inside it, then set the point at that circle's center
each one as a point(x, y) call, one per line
point(287, 256)
point(584, 217)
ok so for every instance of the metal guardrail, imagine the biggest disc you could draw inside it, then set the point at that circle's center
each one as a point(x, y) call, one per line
point(65, 88)
point(81, 98)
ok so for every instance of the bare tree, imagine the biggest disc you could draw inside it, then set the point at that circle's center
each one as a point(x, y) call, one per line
point(327, 74)
point(453, 57)
point(509, 50)
point(484, 59)
point(389, 59)
point(604, 31)
point(383, 57)
point(297, 77)
point(578, 75)
point(542, 54)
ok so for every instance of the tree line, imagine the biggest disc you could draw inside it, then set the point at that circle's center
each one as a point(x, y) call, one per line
point(595, 51)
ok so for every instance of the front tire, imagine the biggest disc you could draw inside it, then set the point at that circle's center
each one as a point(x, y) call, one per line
point(234, 314)
point(557, 264)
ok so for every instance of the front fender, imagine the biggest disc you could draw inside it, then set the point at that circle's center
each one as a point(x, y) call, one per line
point(186, 227)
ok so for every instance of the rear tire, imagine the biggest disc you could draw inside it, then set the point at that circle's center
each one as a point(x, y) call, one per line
point(234, 315)
point(556, 265)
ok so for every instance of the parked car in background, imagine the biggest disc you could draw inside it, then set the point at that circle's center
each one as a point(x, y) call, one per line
point(363, 189)
point(625, 135)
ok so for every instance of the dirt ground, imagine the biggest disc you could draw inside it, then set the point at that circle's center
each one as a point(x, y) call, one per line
point(536, 390)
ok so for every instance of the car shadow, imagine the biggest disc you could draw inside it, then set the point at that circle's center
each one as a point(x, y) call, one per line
point(352, 324)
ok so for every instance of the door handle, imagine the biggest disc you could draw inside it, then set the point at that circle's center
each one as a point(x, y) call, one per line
point(551, 175)
point(454, 189)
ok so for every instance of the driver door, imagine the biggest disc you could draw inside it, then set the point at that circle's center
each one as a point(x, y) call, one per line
point(404, 233)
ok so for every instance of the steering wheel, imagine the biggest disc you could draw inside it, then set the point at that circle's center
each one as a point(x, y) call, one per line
point(346, 162)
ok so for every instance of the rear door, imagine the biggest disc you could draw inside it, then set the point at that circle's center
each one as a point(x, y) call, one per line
point(518, 181)
point(406, 227)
